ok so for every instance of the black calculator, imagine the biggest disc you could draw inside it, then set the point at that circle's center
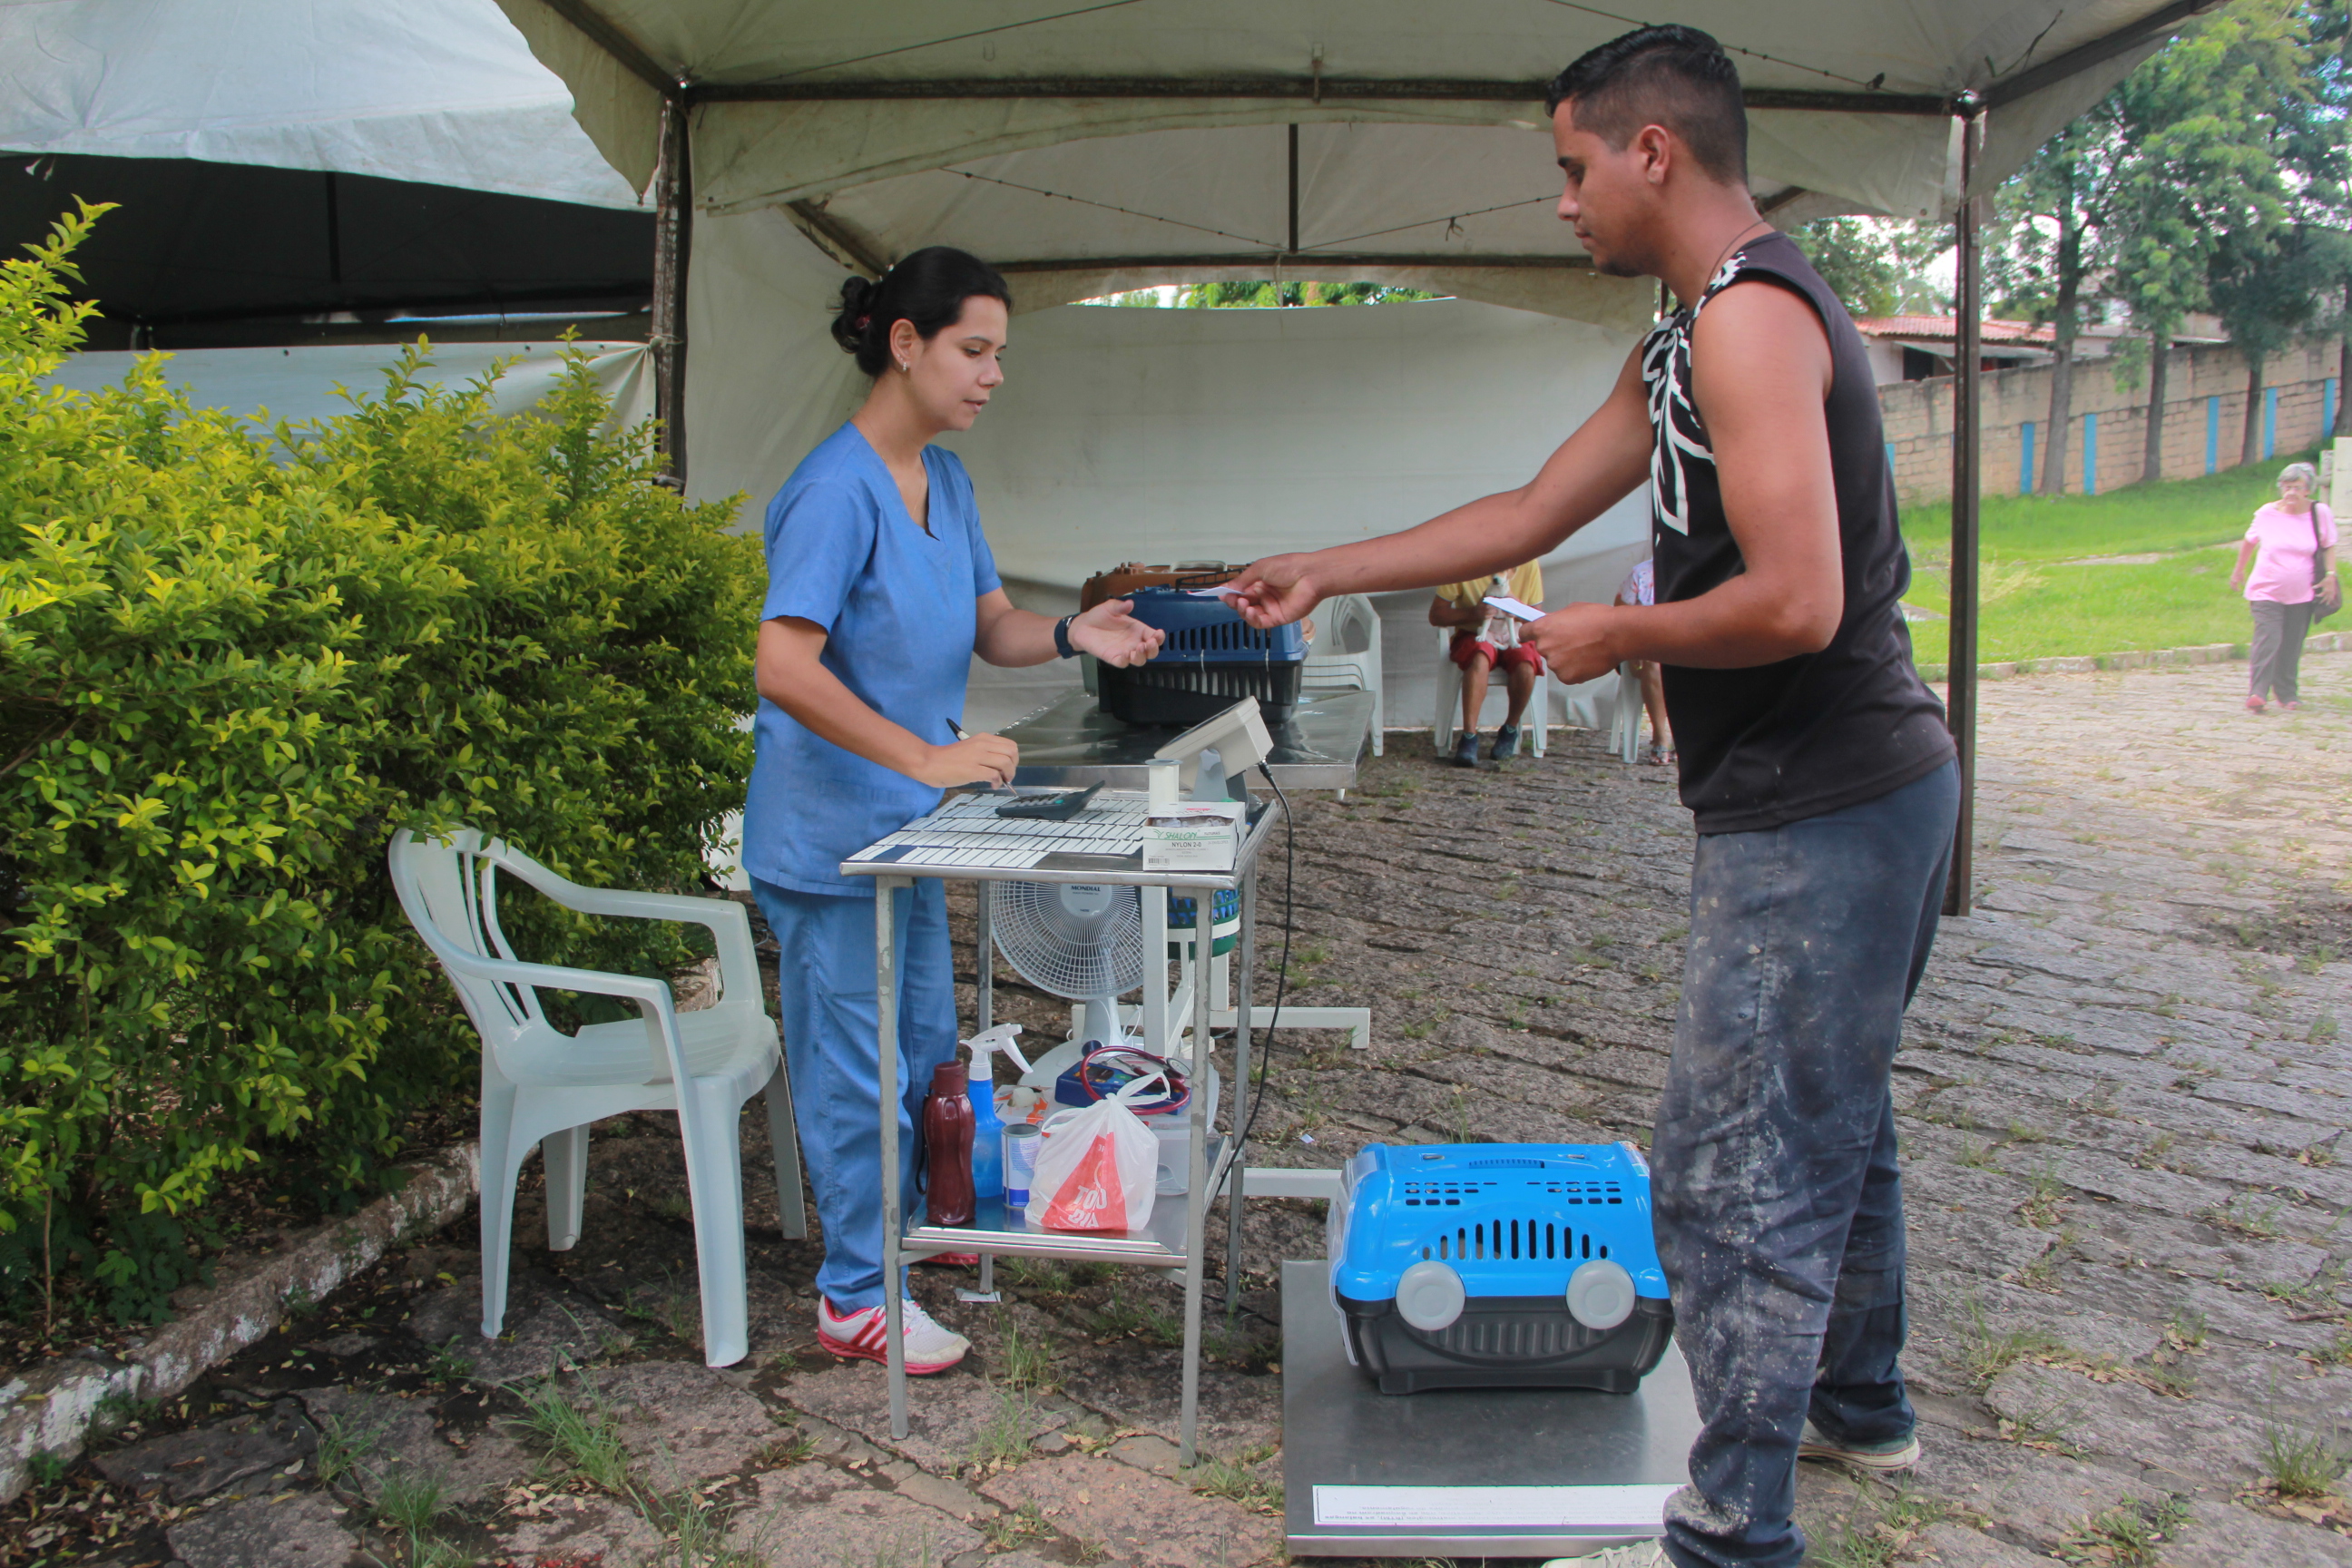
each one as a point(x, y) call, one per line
point(1050, 808)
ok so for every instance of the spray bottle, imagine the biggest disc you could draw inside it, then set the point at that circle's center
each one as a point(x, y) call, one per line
point(988, 1131)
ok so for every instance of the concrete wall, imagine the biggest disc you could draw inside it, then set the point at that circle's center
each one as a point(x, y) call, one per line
point(2205, 390)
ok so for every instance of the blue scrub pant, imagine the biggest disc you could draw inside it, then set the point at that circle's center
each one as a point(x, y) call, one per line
point(1777, 1203)
point(826, 996)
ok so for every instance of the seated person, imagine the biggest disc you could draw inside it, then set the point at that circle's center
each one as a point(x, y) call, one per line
point(1640, 587)
point(1483, 638)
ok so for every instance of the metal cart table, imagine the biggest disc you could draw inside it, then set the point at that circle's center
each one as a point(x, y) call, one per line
point(1176, 1237)
point(1071, 743)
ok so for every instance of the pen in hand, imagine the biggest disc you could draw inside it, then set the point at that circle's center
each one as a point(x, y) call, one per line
point(983, 787)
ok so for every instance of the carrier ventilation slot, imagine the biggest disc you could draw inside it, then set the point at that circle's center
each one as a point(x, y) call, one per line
point(1447, 1195)
point(1581, 1192)
point(1224, 636)
point(1514, 1337)
point(1514, 1240)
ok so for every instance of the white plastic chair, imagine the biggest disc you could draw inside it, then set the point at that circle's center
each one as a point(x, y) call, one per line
point(1625, 720)
point(1449, 697)
point(1348, 658)
point(541, 1086)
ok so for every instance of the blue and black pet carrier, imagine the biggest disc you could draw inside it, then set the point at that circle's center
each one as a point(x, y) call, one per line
point(1499, 1266)
point(1210, 660)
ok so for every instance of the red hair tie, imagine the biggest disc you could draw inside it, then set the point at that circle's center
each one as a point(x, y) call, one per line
point(865, 321)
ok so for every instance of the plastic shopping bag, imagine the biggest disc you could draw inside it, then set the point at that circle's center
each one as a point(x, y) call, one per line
point(1099, 1165)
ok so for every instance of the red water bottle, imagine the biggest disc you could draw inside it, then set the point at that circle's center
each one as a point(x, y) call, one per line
point(947, 1147)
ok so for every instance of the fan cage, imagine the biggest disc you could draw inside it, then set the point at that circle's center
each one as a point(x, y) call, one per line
point(1081, 943)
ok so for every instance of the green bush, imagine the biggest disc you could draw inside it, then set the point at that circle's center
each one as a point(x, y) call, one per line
point(232, 662)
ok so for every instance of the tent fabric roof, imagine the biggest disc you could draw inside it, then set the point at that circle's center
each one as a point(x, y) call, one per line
point(440, 92)
point(1157, 139)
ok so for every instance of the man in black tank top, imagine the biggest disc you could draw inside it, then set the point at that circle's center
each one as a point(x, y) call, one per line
point(1816, 766)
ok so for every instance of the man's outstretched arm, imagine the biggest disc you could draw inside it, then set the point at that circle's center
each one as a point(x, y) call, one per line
point(1598, 466)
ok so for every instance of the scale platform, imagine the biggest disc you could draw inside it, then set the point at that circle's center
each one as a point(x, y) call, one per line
point(1466, 1473)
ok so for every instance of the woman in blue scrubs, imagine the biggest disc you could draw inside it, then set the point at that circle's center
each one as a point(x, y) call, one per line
point(880, 589)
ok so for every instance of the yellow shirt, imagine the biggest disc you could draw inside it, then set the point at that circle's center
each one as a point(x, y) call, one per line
point(1523, 583)
point(1526, 585)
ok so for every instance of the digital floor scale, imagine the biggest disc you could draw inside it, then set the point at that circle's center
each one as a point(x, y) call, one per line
point(1466, 1472)
point(1444, 1396)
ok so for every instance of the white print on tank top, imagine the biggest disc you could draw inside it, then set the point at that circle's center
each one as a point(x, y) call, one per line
point(1677, 436)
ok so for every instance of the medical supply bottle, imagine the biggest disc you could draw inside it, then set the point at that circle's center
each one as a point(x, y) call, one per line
point(987, 1127)
point(946, 1148)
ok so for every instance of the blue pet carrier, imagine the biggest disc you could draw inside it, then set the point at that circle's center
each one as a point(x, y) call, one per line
point(1210, 660)
point(1499, 1266)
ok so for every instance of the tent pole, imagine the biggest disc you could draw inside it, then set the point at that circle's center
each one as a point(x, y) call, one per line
point(1961, 665)
point(672, 237)
point(1293, 248)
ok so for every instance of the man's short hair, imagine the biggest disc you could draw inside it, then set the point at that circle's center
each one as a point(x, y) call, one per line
point(1671, 76)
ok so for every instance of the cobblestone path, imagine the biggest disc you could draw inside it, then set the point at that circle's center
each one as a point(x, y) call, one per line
point(2123, 1098)
point(2123, 1091)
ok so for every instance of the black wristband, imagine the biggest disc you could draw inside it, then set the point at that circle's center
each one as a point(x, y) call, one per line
point(1062, 638)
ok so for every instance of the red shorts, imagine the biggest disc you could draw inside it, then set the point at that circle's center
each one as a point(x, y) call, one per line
point(1466, 642)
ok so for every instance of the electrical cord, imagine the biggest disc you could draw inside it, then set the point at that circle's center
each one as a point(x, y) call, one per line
point(1281, 985)
point(1282, 974)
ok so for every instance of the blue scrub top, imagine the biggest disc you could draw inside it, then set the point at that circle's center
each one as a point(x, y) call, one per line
point(898, 606)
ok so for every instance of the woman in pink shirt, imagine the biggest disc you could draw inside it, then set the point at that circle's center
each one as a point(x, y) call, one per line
point(2283, 544)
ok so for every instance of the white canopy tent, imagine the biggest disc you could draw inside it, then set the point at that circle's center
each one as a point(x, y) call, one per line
point(438, 91)
point(1088, 146)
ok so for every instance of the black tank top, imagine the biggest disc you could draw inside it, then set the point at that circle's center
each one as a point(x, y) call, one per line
point(1779, 742)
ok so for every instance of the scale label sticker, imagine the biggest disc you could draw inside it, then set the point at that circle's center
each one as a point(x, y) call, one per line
point(1494, 1508)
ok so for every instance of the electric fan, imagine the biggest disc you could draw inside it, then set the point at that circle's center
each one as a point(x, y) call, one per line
point(1080, 941)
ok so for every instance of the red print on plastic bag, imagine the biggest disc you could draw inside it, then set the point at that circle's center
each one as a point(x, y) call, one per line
point(1093, 1198)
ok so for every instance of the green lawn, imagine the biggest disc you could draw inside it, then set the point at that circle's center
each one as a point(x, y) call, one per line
point(2036, 605)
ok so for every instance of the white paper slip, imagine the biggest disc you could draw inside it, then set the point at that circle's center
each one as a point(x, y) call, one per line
point(1217, 593)
point(1513, 607)
point(1630, 1508)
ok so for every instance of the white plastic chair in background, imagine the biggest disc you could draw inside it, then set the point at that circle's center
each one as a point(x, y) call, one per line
point(1537, 717)
point(1625, 720)
point(1346, 657)
point(541, 1086)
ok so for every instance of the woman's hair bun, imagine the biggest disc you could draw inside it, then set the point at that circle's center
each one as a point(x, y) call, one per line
point(853, 324)
point(927, 288)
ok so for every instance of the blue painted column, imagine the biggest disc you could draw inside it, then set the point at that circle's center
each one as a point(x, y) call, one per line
point(2212, 434)
point(2025, 460)
point(2270, 423)
point(2327, 412)
point(2090, 454)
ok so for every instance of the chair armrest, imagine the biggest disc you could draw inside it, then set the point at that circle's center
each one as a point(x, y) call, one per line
point(728, 923)
point(653, 998)
point(638, 988)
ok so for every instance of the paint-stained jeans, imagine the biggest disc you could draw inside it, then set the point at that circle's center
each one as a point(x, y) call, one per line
point(1778, 1208)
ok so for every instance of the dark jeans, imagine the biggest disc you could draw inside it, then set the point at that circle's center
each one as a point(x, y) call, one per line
point(1777, 1203)
point(2276, 656)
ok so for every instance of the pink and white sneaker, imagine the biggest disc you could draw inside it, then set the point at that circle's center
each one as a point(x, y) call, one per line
point(866, 1335)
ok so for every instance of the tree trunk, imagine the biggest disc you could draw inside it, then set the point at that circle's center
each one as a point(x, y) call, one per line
point(2062, 362)
point(2159, 358)
point(2251, 451)
point(2342, 386)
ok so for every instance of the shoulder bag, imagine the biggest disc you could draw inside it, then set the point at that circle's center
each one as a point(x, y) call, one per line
point(2325, 598)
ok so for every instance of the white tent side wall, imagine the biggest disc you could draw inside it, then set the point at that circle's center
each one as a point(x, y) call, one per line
point(1160, 434)
point(300, 384)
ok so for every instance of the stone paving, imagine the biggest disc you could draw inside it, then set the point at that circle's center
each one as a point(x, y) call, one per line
point(2122, 1096)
